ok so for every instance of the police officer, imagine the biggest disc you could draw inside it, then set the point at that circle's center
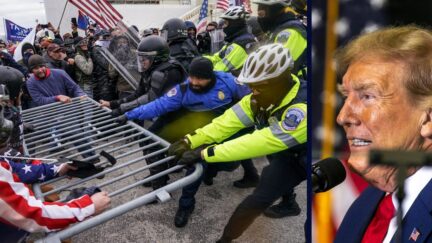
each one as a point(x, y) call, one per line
point(277, 107)
point(103, 87)
point(159, 73)
point(182, 48)
point(239, 42)
point(282, 26)
point(205, 95)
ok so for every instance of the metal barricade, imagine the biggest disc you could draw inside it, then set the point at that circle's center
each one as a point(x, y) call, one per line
point(82, 129)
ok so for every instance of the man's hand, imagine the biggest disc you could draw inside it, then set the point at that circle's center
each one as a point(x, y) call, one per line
point(101, 202)
point(190, 157)
point(64, 99)
point(117, 112)
point(121, 120)
point(178, 148)
point(104, 103)
point(64, 168)
point(71, 61)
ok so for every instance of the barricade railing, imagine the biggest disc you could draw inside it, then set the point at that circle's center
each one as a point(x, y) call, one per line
point(81, 130)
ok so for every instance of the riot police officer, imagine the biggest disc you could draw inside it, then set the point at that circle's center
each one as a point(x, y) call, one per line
point(159, 73)
point(182, 48)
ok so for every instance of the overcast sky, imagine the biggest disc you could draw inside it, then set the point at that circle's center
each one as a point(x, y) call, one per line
point(22, 12)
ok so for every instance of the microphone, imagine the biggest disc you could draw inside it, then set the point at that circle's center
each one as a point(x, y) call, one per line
point(327, 174)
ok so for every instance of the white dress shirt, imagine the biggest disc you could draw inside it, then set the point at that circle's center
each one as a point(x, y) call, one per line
point(413, 186)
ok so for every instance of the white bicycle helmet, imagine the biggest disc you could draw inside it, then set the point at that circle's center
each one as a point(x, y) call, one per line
point(285, 3)
point(266, 62)
point(235, 12)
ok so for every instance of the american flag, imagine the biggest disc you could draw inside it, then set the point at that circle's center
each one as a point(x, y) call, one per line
point(414, 235)
point(100, 11)
point(334, 23)
point(202, 21)
point(19, 206)
point(223, 4)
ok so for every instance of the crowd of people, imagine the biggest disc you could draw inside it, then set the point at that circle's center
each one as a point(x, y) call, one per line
point(239, 85)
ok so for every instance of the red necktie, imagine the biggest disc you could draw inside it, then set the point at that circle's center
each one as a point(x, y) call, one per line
point(377, 229)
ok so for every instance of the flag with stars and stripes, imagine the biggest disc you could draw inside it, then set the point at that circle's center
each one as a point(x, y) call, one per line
point(334, 23)
point(202, 21)
point(21, 209)
point(223, 4)
point(100, 11)
point(29, 171)
point(414, 235)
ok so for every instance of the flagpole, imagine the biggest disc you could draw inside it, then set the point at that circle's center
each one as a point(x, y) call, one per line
point(5, 28)
point(61, 18)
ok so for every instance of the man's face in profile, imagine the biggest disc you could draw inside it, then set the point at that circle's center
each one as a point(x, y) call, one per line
point(377, 113)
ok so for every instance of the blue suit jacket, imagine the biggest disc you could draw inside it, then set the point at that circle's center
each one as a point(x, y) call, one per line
point(359, 215)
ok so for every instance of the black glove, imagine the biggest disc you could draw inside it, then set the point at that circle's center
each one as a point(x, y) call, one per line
point(190, 157)
point(178, 148)
point(121, 120)
point(116, 112)
point(114, 104)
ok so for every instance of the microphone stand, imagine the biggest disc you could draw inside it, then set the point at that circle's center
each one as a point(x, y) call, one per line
point(401, 175)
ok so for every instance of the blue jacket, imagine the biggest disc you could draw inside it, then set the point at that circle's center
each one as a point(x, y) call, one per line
point(225, 92)
point(359, 215)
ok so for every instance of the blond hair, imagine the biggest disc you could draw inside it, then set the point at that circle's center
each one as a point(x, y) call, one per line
point(410, 45)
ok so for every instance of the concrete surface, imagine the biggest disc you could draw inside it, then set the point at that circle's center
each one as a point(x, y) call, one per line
point(215, 204)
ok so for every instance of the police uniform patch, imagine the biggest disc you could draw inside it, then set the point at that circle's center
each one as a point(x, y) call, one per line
point(221, 95)
point(293, 117)
point(283, 36)
point(172, 92)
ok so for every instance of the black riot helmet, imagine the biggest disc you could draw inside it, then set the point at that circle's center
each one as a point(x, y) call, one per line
point(152, 50)
point(174, 29)
point(12, 79)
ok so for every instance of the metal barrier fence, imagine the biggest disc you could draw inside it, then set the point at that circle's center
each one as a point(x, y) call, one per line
point(80, 130)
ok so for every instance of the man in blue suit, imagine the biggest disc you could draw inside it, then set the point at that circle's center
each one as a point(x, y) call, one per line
point(387, 88)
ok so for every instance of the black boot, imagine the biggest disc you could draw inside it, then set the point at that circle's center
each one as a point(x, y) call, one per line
point(182, 216)
point(159, 182)
point(287, 207)
point(250, 178)
point(148, 183)
point(247, 182)
point(208, 177)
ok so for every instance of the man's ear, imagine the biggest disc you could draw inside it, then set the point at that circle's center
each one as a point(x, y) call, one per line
point(426, 126)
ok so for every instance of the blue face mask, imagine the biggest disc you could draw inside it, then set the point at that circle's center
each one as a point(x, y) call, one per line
point(27, 55)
